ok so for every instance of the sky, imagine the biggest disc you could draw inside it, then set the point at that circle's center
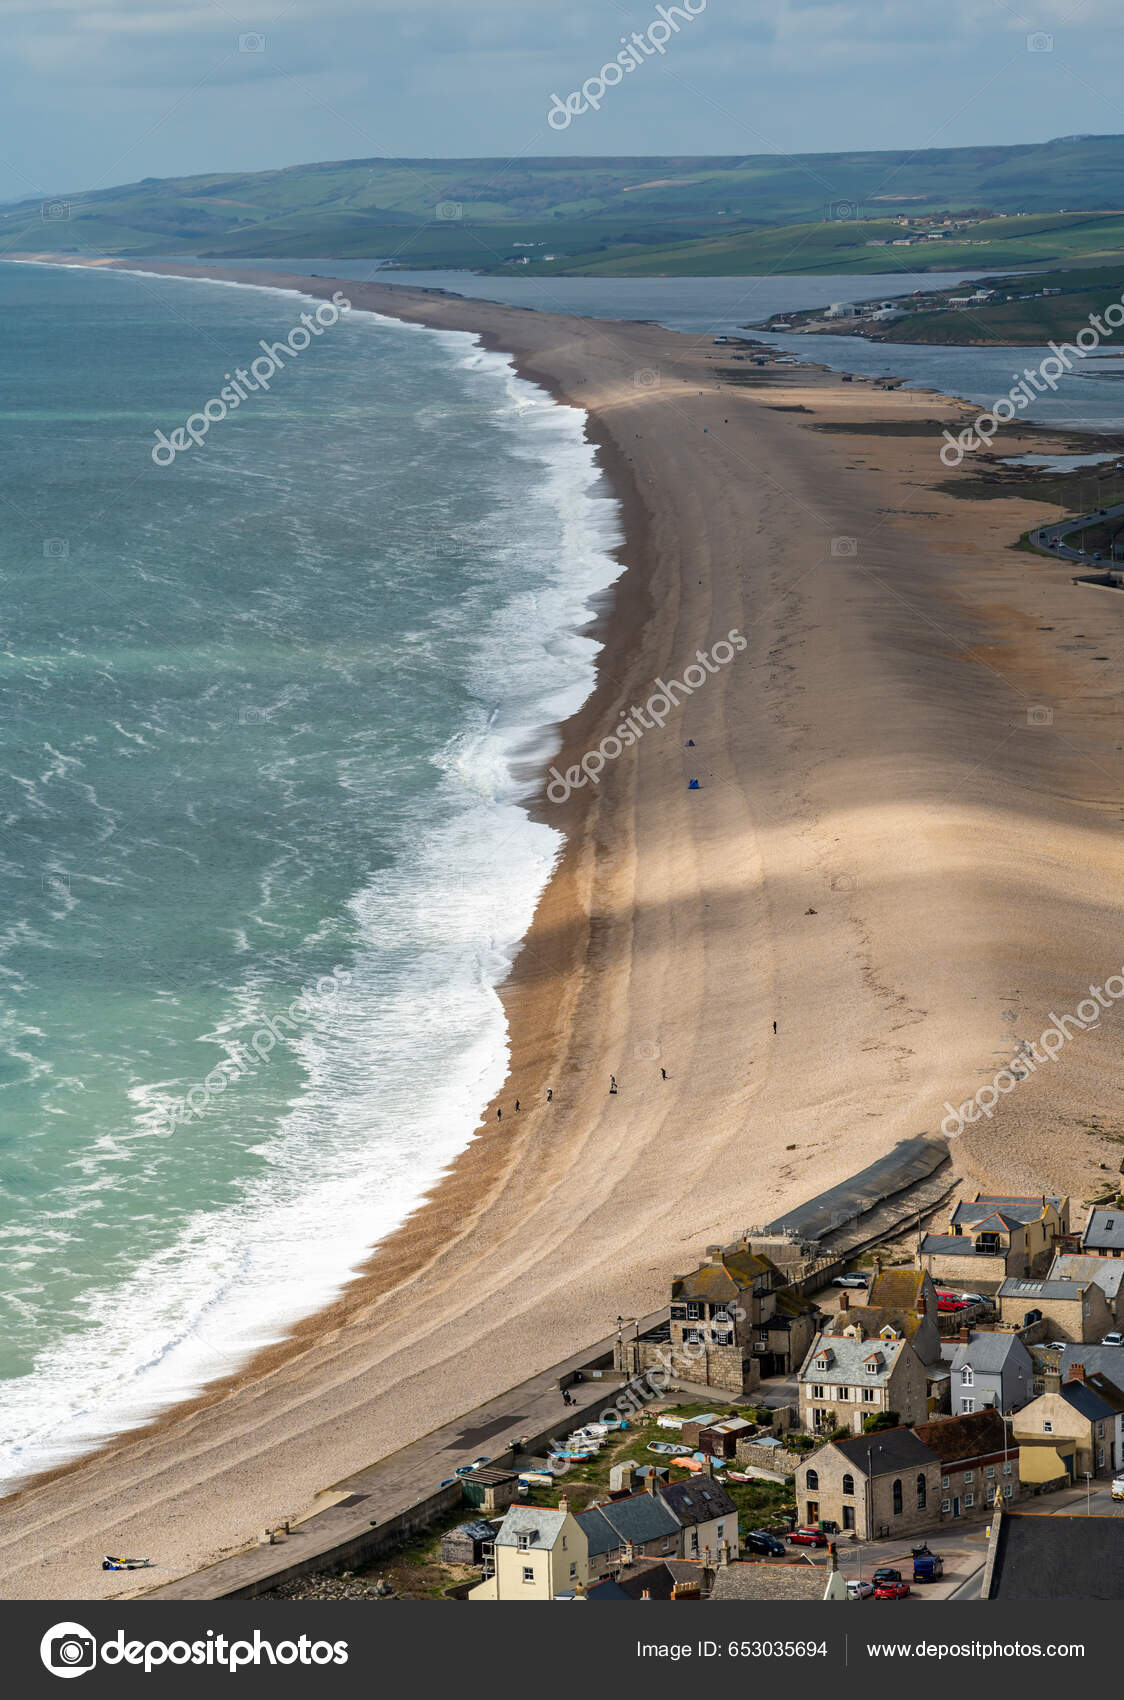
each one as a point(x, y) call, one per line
point(95, 93)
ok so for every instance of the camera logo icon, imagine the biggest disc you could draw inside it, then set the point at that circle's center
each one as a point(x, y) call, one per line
point(68, 1649)
point(251, 42)
point(647, 378)
point(1038, 715)
point(1040, 42)
point(844, 548)
point(840, 210)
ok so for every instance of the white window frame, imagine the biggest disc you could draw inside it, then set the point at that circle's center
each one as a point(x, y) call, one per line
point(528, 1573)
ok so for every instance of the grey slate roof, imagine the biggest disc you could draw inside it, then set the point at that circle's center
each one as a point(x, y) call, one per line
point(638, 1518)
point(888, 1451)
point(1021, 1209)
point(952, 1245)
point(1098, 1360)
point(849, 1360)
point(1087, 1401)
point(1015, 1287)
point(1104, 1231)
point(986, 1353)
point(543, 1526)
point(1058, 1557)
point(1107, 1272)
point(698, 1501)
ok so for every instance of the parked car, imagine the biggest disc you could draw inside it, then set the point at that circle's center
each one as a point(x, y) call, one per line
point(808, 1538)
point(1118, 1487)
point(851, 1281)
point(857, 1589)
point(947, 1302)
point(892, 1591)
point(973, 1298)
point(886, 1573)
point(1113, 1339)
point(760, 1540)
point(927, 1567)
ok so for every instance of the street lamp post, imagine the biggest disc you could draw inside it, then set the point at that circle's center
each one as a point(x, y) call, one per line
point(1088, 1493)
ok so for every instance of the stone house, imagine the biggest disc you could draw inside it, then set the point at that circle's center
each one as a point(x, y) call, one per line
point(707, 1518)
point(1106, 1272)
point(1069, 1430)
point(989, 1369)
point(991, 1237)
point(918, 1326)
point(732, 1320)
point(622, 1531)
point(1074, 1310)
point(976, 1458)
point(539, 1554)
point(878, 1485)
point(1104, 1232)
point(851, 1375)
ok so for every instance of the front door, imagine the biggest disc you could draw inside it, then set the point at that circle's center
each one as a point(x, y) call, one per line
point(956, 1506)
point(813, 1511)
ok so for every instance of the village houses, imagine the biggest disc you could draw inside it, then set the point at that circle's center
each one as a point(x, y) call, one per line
point(1070, 1430)
point(991, 1237)
point(851, 1375)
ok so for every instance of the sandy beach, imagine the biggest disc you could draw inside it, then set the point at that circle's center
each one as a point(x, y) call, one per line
point(904, 849)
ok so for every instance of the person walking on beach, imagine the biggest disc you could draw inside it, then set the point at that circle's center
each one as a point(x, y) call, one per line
point(612, 1085)
point(499, 1115)
point(517, 1105)
point(774, 1026)
point(549, 1094)
point(663, 1074)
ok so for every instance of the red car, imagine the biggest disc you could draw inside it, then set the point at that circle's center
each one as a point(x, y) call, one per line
point(808, 1537)
point(949, 1301)
point(891, 1591)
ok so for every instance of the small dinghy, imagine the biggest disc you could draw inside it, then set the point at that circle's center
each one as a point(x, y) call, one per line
point(109, 1563)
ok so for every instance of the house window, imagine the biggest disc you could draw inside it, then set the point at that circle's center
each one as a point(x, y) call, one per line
point(722, 1337)
point(1047, 1427)
point(966, 1376)
point(870, 1395)
point(967, 1406)
point(817, 1393)
point(872, 1369)
point(848, 1484)
point(573, 1571)
point(692, 1313)
point(679, 1313)
point(1007, 1490)
point(991, 1472)
point(944, 1481)
point(1007, 1468)
point(969, 1499)
point(812, 1481)
point(945, 1503)
point(897, 1498)
point(921, 1490)
point(524, 1541)
point(693, 1336)
point(528, 1573)
point(1100, 1457)
point(969, 1475)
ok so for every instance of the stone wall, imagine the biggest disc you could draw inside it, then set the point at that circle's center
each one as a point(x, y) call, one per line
point(779, 1459)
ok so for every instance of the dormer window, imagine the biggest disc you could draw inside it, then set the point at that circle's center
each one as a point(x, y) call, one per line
point(966, 1375)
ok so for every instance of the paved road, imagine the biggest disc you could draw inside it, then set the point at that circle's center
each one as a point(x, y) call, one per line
point(1048, 535)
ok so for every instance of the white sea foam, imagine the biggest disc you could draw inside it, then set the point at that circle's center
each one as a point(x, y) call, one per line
point(394, 1087)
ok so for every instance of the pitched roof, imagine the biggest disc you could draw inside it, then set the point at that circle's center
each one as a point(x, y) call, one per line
point(1022, 1209)
point(987, 1353)
point(1106, 1361)
point(697, 1501)
point(637, 1518)
point(1106, 1272)
point(659, 1577)
point(742, 1581)
point(1086, 1400)
point(1058, 1557)
point(729, 1274)
point(1104, 1231)
point(875, 1318)
point(849, 1360)
point(896, 1289)
point(541, 1525)
point(969, 1436)
point(882, 1454)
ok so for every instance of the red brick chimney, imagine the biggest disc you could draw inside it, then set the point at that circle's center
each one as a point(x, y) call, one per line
point(965, 1334)
point(844, 1300)
point(921, 1302)
point(1076, 1372)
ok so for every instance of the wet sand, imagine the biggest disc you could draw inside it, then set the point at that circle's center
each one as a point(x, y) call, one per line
point(892, 852)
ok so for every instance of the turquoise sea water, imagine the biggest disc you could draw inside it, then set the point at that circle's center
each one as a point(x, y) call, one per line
point(261, 708)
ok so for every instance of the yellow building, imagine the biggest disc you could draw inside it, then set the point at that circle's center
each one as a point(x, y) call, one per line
point(538, 1555)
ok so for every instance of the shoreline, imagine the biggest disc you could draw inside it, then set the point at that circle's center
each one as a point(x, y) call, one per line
point(668, 931)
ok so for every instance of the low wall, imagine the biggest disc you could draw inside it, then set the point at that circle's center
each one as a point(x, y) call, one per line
point(776, 1458)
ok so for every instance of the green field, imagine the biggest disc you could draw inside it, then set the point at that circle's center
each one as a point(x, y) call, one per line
point(669, 215)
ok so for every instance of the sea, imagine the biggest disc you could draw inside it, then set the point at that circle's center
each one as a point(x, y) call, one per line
point(265, 849)
point(265, 856)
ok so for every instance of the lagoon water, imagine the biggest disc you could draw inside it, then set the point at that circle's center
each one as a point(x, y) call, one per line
point(261, 710)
